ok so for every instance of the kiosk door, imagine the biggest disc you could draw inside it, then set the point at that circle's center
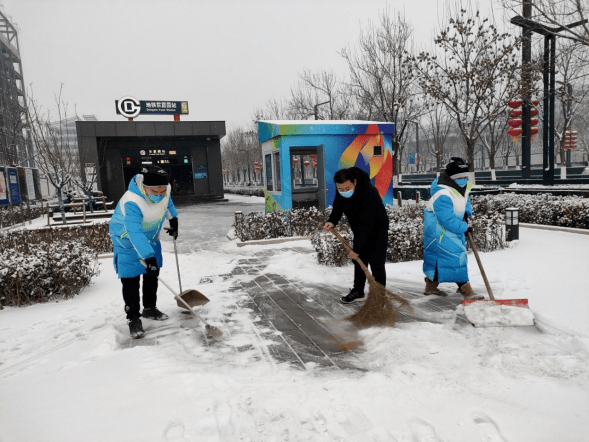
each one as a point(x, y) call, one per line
point(308, 177)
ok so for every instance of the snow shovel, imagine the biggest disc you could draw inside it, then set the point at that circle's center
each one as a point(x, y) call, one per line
point(495, 312)
point(192, 297)
point(214, 331)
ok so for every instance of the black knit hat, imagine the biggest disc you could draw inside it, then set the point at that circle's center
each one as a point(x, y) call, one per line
point(457, 168)
point(154, 176)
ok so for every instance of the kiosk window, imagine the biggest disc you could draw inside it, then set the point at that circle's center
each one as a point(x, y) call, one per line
point(377, 151)
point(269, 183)
point(277, 170)
point(304, 172)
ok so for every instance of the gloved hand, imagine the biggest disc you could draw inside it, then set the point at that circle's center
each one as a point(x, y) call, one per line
point(173, 229)
point(469, 230)
point(151, 265)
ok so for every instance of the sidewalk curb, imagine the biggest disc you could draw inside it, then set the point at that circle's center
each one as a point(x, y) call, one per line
point(262, 242)
point(556, 228)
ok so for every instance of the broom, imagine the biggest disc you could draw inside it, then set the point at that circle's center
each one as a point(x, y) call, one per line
point(378, 309)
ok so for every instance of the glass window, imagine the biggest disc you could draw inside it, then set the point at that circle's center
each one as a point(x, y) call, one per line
point(377, 151)
point(269, 182)
point(277, 170)
point(304, 171)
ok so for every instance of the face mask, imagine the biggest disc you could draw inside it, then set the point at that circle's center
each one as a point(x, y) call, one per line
point(347, 194)
point(156, 198)
point(461, 181)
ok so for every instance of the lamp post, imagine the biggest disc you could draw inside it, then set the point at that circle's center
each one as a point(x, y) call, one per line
point(417, 162)
point(316, 108)
point(549, 62)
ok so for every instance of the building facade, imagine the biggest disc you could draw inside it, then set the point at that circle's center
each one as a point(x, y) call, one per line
point(15, 141)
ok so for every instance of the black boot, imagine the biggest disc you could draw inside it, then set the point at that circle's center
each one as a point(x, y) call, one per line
point(355, 295)
point(154, 313)
point(136, 328)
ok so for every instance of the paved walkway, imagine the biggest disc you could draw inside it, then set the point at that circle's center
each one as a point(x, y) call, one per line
point(307, 316)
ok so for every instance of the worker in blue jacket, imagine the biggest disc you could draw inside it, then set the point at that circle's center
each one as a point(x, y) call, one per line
point(445, 223)
point(134, 230)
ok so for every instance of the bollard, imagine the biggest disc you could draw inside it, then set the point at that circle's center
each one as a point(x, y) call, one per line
point(511, 224)
point(417, 195)
point(400, 198)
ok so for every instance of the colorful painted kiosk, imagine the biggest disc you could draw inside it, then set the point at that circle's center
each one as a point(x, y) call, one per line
point(301, 157)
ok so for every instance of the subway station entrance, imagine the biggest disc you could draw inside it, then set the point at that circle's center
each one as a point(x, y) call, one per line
point(190, 152)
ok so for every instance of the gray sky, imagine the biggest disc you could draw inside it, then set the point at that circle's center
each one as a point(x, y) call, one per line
point(225, 57)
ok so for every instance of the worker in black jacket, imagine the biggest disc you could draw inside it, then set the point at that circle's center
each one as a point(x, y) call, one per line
point(361, 203)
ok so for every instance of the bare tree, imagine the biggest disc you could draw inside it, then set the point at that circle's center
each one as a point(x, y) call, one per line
point(437, 128)
point(56, 160)
point(323, 96)
point(573, 93)
point(474, 73)
point(239, 152)
point(382, 78)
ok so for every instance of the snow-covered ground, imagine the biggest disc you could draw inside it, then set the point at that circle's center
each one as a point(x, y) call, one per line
point(69, 372)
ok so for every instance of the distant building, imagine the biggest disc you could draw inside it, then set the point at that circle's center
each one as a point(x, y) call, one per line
point(15, 142)
point(67, 130)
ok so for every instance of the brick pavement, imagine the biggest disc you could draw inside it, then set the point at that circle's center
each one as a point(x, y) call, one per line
point(306, 319)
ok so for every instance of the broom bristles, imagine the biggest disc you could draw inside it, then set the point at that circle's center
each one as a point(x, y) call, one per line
point(378, 308)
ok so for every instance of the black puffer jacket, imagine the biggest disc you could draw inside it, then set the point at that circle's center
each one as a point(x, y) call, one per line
point(365, 212)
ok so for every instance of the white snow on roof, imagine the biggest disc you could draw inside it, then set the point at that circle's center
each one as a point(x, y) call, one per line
point(292, 122)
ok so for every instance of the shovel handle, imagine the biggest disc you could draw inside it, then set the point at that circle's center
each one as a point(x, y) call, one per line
point(476, 255)
point(349, 249)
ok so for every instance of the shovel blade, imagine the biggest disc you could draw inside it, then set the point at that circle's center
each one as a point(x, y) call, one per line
point(498, 313)
point(193, 298)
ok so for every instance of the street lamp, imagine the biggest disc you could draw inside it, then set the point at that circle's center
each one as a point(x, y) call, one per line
point(417, 162)
point(549, 63)
point(316, 108)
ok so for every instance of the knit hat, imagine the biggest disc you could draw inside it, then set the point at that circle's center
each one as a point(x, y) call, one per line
point(457, 168)
point(154, 176)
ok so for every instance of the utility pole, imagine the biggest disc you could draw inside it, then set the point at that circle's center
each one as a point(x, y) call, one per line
point(527, 95)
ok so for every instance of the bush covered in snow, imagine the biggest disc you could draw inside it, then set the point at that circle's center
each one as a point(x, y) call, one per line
point(14, 215)
point(244, 190)
point(406, 224)
point(545, 209)
point(47, 264)
point(295, 222)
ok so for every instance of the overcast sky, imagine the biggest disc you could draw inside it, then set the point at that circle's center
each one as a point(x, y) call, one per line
point(225, 57)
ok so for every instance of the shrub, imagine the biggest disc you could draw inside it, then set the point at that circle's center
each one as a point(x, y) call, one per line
point(242, 190)
point(8, 216)
point(49, 264)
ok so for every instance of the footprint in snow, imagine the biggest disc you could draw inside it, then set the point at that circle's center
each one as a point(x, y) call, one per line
point(422, 431)
point(488, 428)
point(174, 431)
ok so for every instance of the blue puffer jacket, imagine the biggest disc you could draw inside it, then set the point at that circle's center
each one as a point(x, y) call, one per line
point(135, 227)
point(444, 243)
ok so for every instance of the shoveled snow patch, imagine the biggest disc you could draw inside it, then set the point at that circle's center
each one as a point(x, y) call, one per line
point(494, 314)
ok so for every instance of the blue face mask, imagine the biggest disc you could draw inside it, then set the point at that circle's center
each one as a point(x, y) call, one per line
point(347, 194)
point(156, 198)
point(461, 181)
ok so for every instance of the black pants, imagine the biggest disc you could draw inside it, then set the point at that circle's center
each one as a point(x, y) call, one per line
point(131, 293)
point(374, 259)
